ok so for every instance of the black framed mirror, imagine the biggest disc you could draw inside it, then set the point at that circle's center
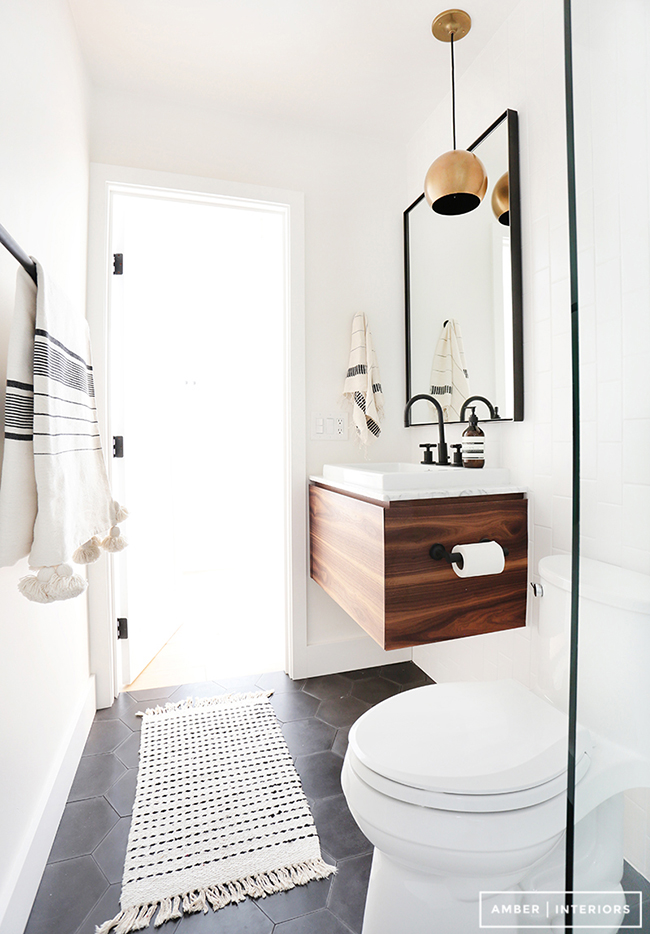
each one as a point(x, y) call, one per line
point(466, 269)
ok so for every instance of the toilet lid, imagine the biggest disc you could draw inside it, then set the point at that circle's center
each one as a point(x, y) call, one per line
point(469, 738)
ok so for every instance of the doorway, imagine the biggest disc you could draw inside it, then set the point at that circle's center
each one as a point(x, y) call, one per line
point(199, 374)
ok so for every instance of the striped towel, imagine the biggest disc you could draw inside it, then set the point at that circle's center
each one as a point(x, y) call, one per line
point(449, 379)
point(363, 383)
point(54, 493)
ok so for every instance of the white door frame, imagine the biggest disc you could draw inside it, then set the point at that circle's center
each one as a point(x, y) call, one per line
point(104, 180)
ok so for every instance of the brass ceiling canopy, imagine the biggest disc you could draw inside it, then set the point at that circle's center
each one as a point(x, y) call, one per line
point(456, 23)
point(501, 200)
point(456, 182)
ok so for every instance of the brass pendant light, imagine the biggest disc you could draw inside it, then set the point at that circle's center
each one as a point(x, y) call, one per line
point(501, 200)
point(456, 182)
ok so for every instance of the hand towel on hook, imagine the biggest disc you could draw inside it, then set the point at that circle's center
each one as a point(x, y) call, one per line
point(449, 379)
point(55, 499)
point(363, 383)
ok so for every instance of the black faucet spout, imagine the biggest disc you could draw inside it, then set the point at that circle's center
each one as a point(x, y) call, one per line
point(443, 457)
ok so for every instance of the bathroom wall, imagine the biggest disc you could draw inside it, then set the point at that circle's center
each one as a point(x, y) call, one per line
point(354, 197)
point(612, 121)
point(46, 694)
point(521, 67)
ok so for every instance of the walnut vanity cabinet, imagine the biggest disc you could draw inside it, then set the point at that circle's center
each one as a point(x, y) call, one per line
point(373, 559)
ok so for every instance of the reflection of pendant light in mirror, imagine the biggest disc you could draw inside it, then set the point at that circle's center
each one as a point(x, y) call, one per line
point(456, 182)
point(501, 200)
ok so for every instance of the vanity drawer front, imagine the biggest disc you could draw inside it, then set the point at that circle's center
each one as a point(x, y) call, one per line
point(426, 601)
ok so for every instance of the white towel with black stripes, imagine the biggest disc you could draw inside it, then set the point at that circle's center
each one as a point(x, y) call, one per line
point(55, 498)
point(449, 378)
point(363, 382)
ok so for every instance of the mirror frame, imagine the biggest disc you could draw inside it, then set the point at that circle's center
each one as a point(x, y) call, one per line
point(511, 117)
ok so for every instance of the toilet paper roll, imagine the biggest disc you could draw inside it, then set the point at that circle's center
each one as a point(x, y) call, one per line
point(480, 559)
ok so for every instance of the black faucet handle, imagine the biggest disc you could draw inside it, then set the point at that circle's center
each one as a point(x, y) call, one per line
point(458, 458)
point(428, 456)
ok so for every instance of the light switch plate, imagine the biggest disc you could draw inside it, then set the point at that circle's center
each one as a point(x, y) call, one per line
point(328, 427)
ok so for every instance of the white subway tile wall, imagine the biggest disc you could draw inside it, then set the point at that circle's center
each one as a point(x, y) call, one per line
point(523, 68)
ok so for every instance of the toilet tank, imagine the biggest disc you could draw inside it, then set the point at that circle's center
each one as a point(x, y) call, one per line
point(613, 647)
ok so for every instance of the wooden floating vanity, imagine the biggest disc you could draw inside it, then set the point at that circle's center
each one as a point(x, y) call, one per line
point(373, 559)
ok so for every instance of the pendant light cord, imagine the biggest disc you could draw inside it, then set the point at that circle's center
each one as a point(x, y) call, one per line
point(453, 93)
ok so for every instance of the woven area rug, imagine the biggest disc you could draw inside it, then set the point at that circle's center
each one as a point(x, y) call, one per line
point(219, 813)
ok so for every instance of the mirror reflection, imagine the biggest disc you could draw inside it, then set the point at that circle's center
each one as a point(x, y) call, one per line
point(463, 292)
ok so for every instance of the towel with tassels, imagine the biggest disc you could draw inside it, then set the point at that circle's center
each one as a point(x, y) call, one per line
point(363, 384)
point(449, 378)
point(55, 500)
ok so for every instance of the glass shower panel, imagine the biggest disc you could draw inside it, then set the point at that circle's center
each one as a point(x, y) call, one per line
point(611, 73)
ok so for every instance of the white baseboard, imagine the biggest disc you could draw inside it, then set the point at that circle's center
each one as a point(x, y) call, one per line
point(19, 890)
point(326, 658)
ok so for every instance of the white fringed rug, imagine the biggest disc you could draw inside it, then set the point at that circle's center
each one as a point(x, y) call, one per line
point(219, 813)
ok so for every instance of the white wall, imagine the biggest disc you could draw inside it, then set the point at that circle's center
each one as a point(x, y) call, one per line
point(44, 677)
point(612, 115)
point(522, 68)
point(354, 198)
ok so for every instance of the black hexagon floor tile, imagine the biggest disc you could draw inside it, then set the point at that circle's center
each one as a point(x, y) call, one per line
point(320, 774)
point(337, 829)
point(153, 693)
point(67, 893)
point(317, 742)
point(198, 689)
point(374, 690)
point(95, 775)
point(111, 852)
point(404, 673)
point(122, 794)
point(244, 918)
point(297, 901)
point(358, 673)
point(105, 909)
point(128, 752)
point(105, 736)
point(340, 744)
point(306, 736)
point(131, 718)
point(279, 682)
point(340, 713)
point(328, 687)
point(83, 826)
point(122, 704)
point(239, 685)
point(349, 889)
point(294, 705)
point(318, 922)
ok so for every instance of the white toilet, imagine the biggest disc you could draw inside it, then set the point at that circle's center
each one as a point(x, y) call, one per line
point(461, 787)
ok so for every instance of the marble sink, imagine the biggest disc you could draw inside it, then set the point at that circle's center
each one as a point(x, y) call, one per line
point(398, 476)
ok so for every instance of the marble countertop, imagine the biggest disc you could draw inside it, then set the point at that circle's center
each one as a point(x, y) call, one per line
point(388, 496)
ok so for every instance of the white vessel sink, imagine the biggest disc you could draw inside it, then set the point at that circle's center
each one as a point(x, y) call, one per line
point(416, 476)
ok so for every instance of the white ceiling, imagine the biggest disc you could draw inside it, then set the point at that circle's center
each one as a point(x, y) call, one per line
point(350, 66)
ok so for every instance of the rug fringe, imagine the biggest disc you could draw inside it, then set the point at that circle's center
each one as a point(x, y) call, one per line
point(217, 701)
point(217, 896)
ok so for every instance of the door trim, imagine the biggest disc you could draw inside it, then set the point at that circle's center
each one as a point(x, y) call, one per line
point(104, 179)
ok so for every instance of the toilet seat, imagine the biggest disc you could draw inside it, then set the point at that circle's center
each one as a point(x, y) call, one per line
point(470, 746)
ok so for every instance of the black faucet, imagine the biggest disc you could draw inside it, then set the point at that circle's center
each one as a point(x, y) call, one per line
point(494, 412)
point(443, 457)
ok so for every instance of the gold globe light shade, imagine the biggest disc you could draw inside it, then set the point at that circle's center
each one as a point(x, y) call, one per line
point(455, 183)
point(501, 200)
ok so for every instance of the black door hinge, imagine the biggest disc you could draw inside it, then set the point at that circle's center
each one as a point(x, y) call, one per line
point(122, 627)
point(118, 446)
point(118, 264)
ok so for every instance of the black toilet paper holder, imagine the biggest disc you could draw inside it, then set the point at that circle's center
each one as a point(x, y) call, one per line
point(438, 552)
